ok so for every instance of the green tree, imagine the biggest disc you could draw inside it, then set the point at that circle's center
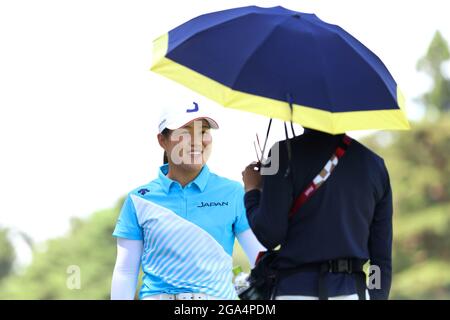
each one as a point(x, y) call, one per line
point(438, 99)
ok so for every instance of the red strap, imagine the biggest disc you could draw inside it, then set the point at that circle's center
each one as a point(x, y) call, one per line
point(312, 187)
point(339, 152)
point(259, 256)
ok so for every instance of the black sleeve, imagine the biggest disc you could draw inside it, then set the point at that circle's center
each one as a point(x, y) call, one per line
point(380, 242)
point(267, 211)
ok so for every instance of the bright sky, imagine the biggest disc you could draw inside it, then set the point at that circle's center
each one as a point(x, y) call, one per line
point(79, 106)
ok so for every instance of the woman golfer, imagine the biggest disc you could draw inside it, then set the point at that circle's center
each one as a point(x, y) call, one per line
point(181, 227)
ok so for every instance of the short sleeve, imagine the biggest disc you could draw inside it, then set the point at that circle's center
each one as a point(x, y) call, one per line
point(127, 225)
point(240, 223)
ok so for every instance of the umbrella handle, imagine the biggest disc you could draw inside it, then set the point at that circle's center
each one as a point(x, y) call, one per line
point(291, 107)
point(288, 141)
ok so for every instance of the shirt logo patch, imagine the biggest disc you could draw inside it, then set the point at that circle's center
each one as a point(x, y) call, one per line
point(213, 204)
point(143, 191)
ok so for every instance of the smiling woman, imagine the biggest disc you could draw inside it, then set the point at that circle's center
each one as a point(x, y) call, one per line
point(187, 148)
point(183, 225)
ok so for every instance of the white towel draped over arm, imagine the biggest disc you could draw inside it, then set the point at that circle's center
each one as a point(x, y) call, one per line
point(126, 270)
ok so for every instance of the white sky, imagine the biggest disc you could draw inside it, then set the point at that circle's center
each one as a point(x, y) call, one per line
point(79, 106)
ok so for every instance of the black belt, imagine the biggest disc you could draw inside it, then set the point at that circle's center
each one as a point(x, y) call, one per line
point(350, 266)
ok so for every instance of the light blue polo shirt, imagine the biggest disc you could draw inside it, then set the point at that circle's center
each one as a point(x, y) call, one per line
point(188, 233)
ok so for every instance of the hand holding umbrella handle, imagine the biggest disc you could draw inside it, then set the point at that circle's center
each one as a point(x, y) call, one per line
point(251, 177)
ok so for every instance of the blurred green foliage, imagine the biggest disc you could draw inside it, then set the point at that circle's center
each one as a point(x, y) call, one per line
point(419, 166)
point(7, 254)
point(89, 246)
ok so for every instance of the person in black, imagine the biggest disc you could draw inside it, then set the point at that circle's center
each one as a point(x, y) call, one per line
point(349, 217)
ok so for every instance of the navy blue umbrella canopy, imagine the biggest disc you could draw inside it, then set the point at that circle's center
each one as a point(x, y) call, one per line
point(265, 60)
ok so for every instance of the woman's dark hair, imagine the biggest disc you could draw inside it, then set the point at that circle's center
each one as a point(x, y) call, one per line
point(166, 133)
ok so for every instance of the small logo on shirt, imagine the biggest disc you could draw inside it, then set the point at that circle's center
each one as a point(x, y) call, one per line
point(213, 204)
point(143, 191)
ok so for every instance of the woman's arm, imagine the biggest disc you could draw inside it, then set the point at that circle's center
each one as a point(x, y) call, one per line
point(126, 270)
point(250, 245)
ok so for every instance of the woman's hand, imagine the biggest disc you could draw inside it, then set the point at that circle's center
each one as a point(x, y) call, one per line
point(252, 177)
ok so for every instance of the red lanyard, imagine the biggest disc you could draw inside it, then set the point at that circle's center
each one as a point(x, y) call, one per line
point(322, 176)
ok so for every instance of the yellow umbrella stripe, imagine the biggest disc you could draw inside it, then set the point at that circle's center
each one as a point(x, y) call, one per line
point(334, 123)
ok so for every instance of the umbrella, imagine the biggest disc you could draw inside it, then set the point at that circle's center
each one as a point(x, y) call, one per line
point(282, 64)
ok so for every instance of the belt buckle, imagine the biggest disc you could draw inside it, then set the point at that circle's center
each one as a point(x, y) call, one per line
point(344, 265)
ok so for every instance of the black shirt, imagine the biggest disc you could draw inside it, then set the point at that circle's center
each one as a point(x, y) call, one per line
point(349, 216)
